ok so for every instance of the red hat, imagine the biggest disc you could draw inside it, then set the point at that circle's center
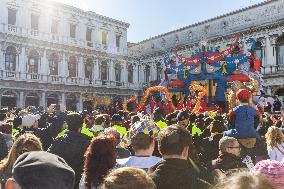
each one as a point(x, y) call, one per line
point(243, 94)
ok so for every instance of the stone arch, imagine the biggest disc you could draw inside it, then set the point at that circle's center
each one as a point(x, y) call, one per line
point(71, 102)
point(130, 73)
point(54, 60)
point(89, 68)
point(32, 99)
point(73, 66)
point(11, 58)
point(104, 70)
point(52, 98)
point(33, 61)
point(9, 98)
point(117, 72)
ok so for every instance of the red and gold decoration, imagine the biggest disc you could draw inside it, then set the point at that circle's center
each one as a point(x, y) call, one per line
point(201, 93)
point(153, 89)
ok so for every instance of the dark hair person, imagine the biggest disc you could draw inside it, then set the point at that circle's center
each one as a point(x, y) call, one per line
point(100, 157)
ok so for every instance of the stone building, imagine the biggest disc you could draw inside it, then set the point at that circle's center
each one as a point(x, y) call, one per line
point(55, 53)
point(263, 22)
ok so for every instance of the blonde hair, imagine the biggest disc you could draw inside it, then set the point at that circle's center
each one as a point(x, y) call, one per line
point(244, 180)
point(24, 143)
point(274, 136)
point(225, 142)
point(127, 178)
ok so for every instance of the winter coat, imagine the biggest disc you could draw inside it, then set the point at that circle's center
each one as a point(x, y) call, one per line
point(176, 173)
point(226, 162)
point(71, 147)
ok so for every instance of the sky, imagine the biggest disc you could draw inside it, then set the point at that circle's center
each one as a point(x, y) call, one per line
point(149, 18)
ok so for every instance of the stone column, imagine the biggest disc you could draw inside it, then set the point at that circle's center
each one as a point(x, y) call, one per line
point(44, 66)
point(81, 70)
point(43, 99)
point(111, 74)
point(142, 74)
point(153, 71)
point(80, 103)
point(124, 73)
point(135, 75)
point(63, 99)
point(270, 51)
point(96, 70)
point(22, 63)
point(21, 102)
point(2, 60)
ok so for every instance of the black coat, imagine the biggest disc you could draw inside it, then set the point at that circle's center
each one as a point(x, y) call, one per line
point(71, 147)
point(177, 174)
point(47, 134)
point(3, 147)
point(225, 162)
point(210, 149)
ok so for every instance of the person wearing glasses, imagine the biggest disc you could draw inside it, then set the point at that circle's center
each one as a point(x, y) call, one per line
point(229, 157)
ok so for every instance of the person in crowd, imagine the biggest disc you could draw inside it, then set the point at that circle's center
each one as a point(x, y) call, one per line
point(117, 123)
point(243, 118)
point(143, 146)
point(128, 178)
point(229, 157)
point(72, 145)
point(244, 180)
point(40, 170)
point(183, 119)
point(46, 135)
point(175, 171)
point(171, 118)
point(272, 170)
point(99, 158)
point(159, 118)
point(6, 131)
point(275, 143)
point(3, 147)
point(98, 126)
point(210, 145)
point(24, 143)
point(120, 152)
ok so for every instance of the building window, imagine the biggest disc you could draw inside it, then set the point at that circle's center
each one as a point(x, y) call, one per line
point(159, 71)
point(33, 62)
point(280, 50)
point(10, 58)
point(118, 41)
point(147, 73)
point(89, 34)
point(258, 51)
point(104, 71)
point(54, 27)
point(73, 31)
point(104, 38)
point(34, 21)
point(72, 67)
point(88, 69)
point(130, 74)
point(53, 64)
point(117, 72)
point(12, 16)
point(139, 69)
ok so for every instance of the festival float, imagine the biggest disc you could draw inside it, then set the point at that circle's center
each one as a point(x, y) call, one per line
point(208, 79)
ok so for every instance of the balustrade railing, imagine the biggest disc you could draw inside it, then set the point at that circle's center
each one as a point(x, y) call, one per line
point(268, 70)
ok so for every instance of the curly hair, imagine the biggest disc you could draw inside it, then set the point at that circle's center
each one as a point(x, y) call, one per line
point(24, 143)
point(100, 157)
point(273, 137)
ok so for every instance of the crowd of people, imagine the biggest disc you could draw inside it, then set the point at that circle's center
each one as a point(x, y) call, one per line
point(57, 149)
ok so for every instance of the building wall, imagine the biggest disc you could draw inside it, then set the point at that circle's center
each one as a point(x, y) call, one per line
point(45, 43)
point(263, 22)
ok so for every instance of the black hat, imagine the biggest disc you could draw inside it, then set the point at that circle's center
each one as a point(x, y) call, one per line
point(116, 117)
point(43, 170)
point(183, 115)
